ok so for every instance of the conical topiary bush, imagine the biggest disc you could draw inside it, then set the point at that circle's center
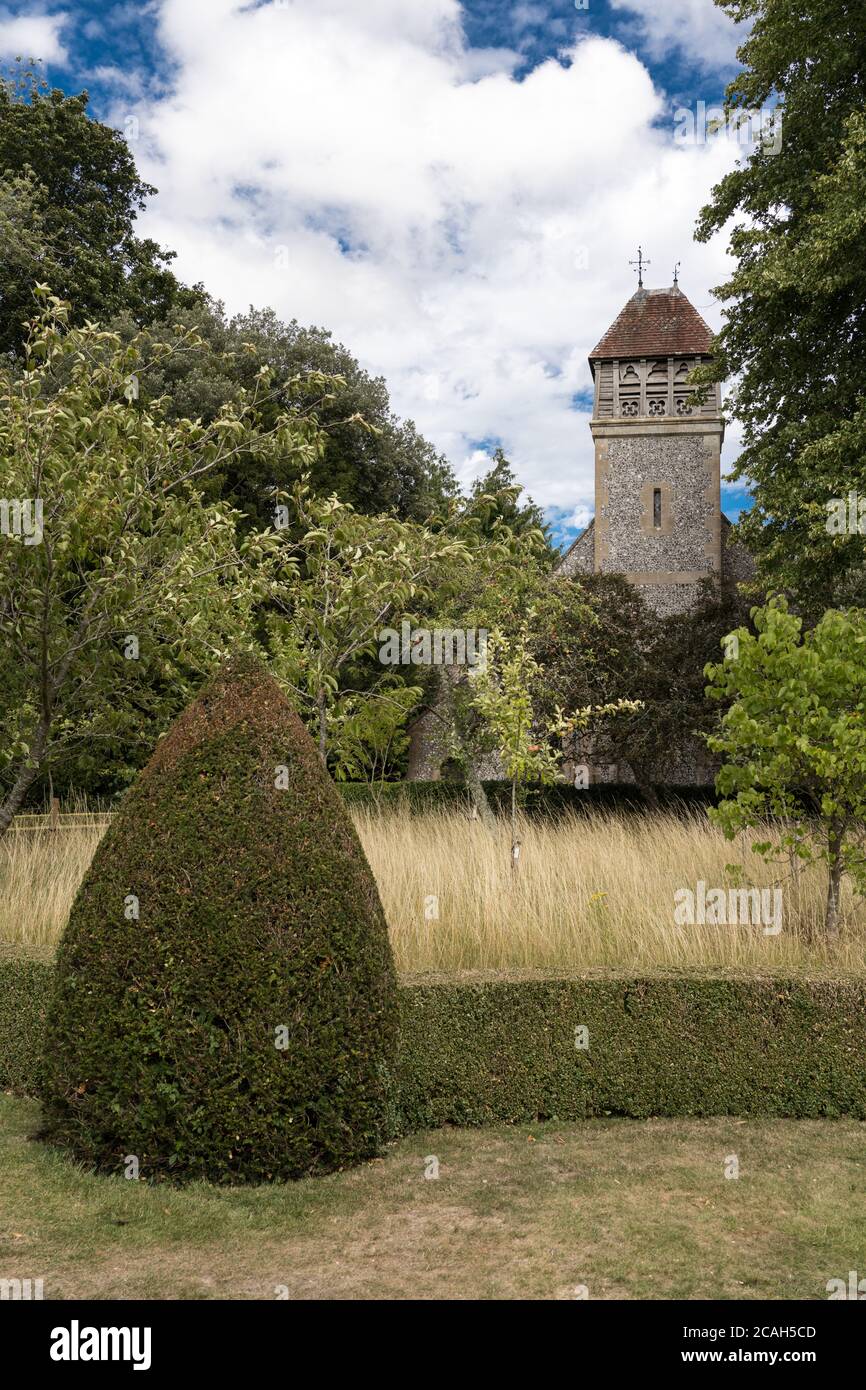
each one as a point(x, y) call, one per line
point(225, 1003)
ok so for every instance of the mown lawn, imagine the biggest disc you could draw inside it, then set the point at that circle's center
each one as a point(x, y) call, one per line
point(625, 1208)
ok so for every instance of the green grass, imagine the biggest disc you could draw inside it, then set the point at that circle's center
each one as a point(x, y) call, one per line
point(630, 1209)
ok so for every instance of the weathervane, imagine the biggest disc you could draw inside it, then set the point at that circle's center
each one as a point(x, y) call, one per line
point(677, 272)
point(640, 263)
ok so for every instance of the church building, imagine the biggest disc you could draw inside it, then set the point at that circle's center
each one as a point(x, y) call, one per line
point(658, 518)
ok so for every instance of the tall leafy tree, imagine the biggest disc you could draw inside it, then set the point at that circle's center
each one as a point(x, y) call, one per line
point(373, 461)
point(26, 256)
point(119, 585)
point(793, 741)
point(795, 305)
point(87, 192)
point(498, 496)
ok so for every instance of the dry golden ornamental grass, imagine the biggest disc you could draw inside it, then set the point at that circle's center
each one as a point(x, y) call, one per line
point(40, 871)
point(587, 892)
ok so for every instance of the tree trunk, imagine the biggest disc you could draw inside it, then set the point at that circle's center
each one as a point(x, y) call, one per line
point(834, 885)
point(27, 774)
point(480, 802)
point(646, 788)
point(515, 843)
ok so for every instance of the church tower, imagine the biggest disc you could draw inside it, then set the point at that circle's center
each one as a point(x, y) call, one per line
point(658, 516)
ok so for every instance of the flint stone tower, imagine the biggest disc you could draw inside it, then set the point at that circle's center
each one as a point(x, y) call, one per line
point(658, 517)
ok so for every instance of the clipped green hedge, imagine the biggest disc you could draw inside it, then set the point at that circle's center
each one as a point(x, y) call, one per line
point(26, 982)
point(410, 797)
point(492, 1050)
point(497, 1050)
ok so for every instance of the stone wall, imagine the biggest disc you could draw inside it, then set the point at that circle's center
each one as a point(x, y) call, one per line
point(679, 466)
point(580, 556)
point(664, 552)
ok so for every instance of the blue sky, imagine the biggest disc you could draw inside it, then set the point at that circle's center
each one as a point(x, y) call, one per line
point(95, 35)
point(454, 189)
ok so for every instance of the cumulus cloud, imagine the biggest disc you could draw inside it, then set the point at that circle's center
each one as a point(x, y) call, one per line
point(467, 234)
point(129, 80)
point(697, 29)
point(32, 36)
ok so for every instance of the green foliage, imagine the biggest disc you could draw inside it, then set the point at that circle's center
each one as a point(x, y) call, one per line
point(794, 337)
point(676, 709)
point(371, 460)
point(501, 693)
point(343, 579)
point(26, 982)
point(338, 585)
point(368, 735)
point(499, 575)
point(591, 637)
point(504, 692)
point(497, 496)
point(131, 587)
point(502, 1050)
point(87, 194)
point(597, 642)
point(256, 912)
point(26, 256)
point(632, 653)
point(797, 725)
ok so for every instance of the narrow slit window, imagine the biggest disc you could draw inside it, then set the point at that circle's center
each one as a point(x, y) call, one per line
point(657, 507)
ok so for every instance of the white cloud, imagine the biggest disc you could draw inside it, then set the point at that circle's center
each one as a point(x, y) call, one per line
point(696, 28)
point(524, 15)
point(129, 80)
point(32, 36)
point(580, 518)
point(466, 234)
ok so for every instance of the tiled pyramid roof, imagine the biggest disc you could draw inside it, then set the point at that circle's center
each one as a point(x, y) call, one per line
point(655, 323)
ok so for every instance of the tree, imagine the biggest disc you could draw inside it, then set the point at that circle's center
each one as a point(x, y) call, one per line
point(338, 585)
point(658, 662)
point(26, 257)
point(676, 714)
point(795, 314)
point(593, 641)
point(84, 182)
point(502, 693)
point(597, 641)
point(225, 1004)
point(794, 739)
point(119, 587)
point(500, 575)
point(351, 578)
point(367, 734)
point(505, 691)
point(371, 460)
point(498, 496)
